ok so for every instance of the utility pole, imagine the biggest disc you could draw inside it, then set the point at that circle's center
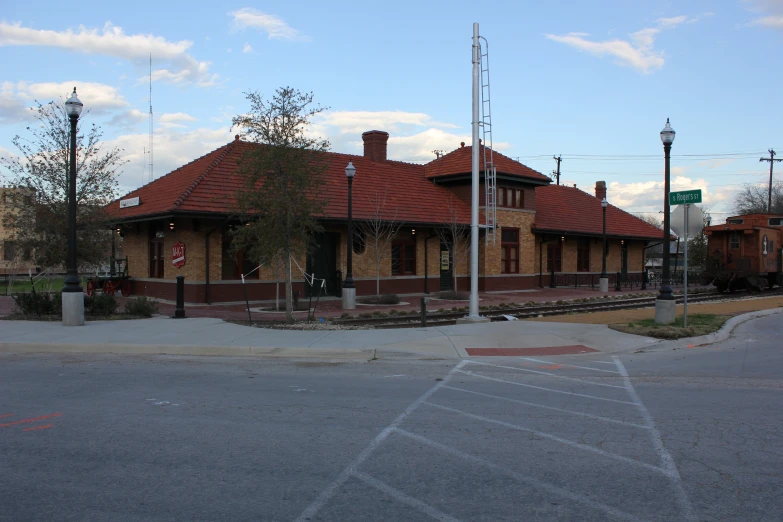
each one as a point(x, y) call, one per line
point(558, 159)
point(772, 161)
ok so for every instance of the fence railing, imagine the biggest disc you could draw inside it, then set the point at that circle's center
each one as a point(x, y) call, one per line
point(619, 281)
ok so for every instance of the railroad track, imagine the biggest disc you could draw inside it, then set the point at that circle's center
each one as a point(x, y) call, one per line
point(525, 312)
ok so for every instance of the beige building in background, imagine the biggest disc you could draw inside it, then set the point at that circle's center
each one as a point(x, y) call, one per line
point(12, 258)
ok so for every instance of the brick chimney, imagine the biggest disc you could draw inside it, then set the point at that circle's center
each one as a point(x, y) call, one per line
point(375, 145)
point(600, 190)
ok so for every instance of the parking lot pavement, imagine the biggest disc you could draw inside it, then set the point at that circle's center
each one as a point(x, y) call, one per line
point(691, 434)
point(519, 439)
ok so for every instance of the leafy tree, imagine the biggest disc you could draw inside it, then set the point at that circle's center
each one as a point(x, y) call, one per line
point(282, 176)
point(753, 199)
point(377, 233)
point(36, 212)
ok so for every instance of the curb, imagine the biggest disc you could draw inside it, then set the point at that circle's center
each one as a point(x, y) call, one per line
point(161, 349)
point(716, 337)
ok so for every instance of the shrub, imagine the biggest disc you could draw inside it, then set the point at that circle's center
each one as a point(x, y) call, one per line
point(141, 306)
point(378, 313)
point(392, 312)
point(36, 303)
point(454, 296)
point(387, 299)
point(345, 315)
point(365, 315)
point(100, 304)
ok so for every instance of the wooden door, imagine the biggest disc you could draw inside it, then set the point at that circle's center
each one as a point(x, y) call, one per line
point(156, 258)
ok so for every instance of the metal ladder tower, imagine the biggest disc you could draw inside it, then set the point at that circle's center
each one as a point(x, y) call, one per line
point(485, 124)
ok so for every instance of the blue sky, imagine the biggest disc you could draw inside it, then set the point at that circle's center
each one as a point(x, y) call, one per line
point(593, 81)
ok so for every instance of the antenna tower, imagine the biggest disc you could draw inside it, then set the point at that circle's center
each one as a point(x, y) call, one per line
point(150, 137)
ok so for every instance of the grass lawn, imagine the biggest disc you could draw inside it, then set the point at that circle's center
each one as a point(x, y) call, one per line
point(22, 284)
point(698, 324)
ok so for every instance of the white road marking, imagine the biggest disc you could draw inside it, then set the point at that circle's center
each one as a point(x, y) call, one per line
point(585, 447)
point(571, 365)
point(397, 375)
point(402, 497)
point(547, 373)
point(603, 362)
point(572, 412)
point(667, 462)
point(553, 390)
point(352, 468)
point(616, 513)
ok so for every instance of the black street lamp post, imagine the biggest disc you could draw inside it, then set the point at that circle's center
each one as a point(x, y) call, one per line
point(603, 282)
point(349, 289)
point(73, 303)
point(664, 304)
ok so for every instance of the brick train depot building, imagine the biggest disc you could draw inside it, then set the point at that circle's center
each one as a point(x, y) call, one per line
point(179, 225)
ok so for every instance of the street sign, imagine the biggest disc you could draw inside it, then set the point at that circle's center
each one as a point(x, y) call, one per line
point(685, 197)
point(694, 224)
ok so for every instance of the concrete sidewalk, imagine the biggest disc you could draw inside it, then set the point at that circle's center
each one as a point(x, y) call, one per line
point(209, 336)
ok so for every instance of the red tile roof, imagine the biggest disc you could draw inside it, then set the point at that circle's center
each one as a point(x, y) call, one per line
point(207, 185)
point(460, 161)
point(568, 209)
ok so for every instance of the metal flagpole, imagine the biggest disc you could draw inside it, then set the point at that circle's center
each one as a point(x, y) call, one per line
point(474, 230)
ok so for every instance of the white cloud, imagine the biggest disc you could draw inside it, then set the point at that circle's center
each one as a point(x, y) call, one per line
point(173, 148)
point(176, 117)
point(95, 96)
point(112, 41)
point(639, 56)
point(127, 120)
point(418, 148)
point(17, 98)
point(275, 27)
point(773, 22)
point(637, 52)
point(648, 195)
point(361, 121)
point(247, 48)
point(674, 21)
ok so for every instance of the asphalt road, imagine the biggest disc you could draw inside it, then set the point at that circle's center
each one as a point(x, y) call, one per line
point(692, 434)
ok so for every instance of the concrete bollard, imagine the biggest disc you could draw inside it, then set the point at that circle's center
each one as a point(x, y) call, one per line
point(179, 313)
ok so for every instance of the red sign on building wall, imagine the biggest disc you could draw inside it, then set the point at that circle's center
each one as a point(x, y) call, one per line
point(178, 255)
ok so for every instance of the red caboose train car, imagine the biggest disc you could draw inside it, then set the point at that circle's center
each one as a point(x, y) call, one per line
point(746, 252)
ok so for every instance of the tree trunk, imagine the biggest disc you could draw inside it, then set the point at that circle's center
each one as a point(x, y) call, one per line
point(289, 294)
point(277, 294)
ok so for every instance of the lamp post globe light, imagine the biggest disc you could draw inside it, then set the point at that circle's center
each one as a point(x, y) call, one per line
point(349, 290)
point(665, 305)
point(603, 281)
point(73, 296)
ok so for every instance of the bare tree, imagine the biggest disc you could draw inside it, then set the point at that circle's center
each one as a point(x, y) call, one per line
point(752, 199)
point(651, 219)
point(456, 237)
point(377, 233)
